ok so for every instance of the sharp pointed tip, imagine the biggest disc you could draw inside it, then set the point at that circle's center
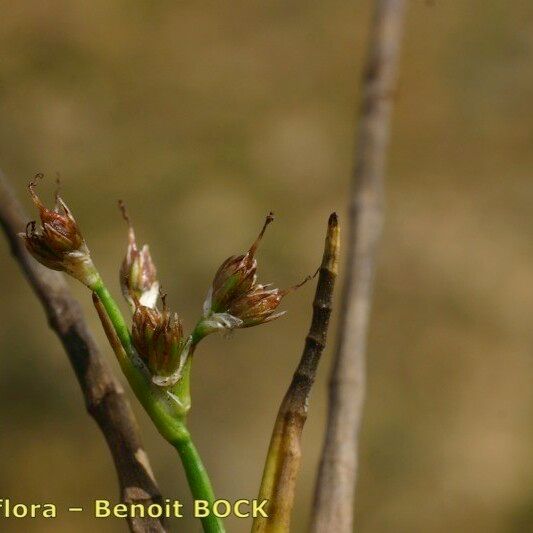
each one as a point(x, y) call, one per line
point(269, 219)
point(333, 219)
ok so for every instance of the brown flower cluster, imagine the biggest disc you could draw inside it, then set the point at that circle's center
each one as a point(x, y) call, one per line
point(58, 243)
point(159, 340)
point(235, 299)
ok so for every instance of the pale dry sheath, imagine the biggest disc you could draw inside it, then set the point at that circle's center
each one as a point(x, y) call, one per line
point(104, 396)
point(334, 492)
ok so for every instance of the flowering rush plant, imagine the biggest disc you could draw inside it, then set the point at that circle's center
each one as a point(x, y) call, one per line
point(153, 350)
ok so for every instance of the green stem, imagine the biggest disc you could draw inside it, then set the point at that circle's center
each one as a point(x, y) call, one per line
point(198, 333)
point(167, 416)
point(115, 315)
point(198, 482)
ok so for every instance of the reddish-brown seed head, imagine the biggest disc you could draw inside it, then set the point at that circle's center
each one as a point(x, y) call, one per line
point(58, 243)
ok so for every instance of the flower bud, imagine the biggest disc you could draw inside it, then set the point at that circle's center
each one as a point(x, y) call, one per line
point(235, 277)
point(138, 275)
point(235, 299)
point(159, 341)
point(59, 244)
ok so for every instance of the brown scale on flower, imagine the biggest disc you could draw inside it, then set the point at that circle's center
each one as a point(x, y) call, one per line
point(159, 340)
point(236, 299)
point(258, 305)
point(58, 244)
point(138, 274)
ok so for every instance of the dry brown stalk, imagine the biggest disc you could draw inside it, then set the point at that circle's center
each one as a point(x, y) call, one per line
point(334, 493)
point(283, 459)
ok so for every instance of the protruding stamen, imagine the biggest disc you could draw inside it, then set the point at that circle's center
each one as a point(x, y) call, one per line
point(31, 187)
point(58, 189)
point(269, 219)
point(126, 217)
point(163, 296)
point(284, 292)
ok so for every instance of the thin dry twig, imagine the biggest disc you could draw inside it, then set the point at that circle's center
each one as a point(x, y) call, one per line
point(334, 493)
point(283, 459)
point(104, 396)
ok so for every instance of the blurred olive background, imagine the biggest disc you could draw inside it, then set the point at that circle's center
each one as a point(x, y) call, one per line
point(203, 116)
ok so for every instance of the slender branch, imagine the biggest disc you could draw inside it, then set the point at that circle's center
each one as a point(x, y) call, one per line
point(283, 459)
point(199, 482)
point(167, 415)
point(104, 397)
point(334, 493)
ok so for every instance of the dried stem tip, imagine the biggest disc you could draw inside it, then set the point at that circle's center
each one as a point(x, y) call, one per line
point(283, 460)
